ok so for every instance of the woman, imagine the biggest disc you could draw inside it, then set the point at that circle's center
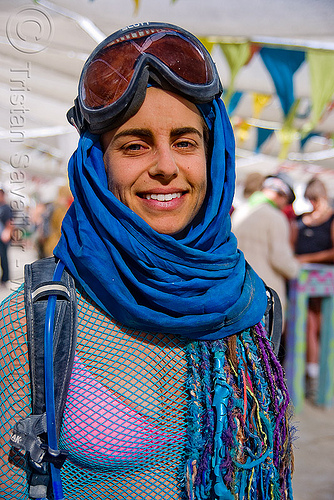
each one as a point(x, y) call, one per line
point(313, 234)
point(175, 391)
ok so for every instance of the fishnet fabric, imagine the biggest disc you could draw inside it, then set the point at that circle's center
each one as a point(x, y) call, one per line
point(15, 389)
point(125, 418)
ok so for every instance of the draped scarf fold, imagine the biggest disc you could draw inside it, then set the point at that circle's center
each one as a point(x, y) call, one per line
point(197, 286)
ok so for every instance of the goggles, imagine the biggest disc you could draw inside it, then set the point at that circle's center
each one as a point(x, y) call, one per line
point(114, 79)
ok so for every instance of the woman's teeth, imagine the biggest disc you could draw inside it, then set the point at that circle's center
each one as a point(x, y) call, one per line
point(162, 197)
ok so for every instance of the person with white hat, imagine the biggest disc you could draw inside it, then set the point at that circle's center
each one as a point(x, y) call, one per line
point(263, 233)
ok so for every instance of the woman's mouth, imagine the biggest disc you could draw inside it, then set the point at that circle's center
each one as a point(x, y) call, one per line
point(161, 196)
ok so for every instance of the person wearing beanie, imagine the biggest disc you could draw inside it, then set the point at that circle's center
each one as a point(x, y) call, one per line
point(263, 233)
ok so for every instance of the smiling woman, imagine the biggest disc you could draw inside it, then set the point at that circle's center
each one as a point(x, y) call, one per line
point(174, 390)
point(156, 163)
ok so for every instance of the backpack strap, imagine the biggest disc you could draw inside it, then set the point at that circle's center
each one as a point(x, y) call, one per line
point(37, 288)
point(273, 318)
point(29, 434)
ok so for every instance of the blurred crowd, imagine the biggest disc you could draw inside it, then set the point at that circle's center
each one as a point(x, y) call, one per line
point(37, 228)
point(276, 242)
point(46, 219)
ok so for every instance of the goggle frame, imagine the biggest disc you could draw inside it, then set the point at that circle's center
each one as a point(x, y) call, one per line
point(147, 68)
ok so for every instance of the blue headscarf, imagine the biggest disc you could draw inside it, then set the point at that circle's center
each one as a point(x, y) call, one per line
point(197, 286)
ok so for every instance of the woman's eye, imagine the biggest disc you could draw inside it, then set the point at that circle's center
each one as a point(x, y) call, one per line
point(134, 147)
point(184, 144)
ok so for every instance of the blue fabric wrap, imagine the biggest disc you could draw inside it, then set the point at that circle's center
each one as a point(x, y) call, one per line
point(198, 286)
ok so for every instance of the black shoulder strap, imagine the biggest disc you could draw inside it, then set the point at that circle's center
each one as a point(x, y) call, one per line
point(274, 319)
point(37, 288)
point(28, 434)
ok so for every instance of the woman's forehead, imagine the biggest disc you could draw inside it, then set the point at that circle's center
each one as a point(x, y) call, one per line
point(173, 107)
point(162, 111)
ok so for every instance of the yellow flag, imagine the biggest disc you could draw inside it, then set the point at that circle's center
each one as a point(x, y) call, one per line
point(288, 133)
point(136, 2)
point(260, 101)
point(237, 55)
point(207, 44)
point(321, 67)
point(286, 136)
point(242, 132)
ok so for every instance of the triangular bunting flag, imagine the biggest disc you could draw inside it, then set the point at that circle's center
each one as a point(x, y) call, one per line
point(321, 66)
point(262, 135)
point(260, 101)
point(288, 133)
point(234, 101)
point(237, 55)
point(282, 64)
point(207, 43)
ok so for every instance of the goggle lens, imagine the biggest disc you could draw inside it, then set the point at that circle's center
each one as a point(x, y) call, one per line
point(109, 73)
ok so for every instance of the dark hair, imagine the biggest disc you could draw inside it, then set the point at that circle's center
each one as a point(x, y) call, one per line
point(315, 189)
point(253, 182)
point(206, 137)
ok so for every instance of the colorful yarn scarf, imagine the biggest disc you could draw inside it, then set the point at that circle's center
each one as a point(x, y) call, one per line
point(198, 284)
point(239, 442)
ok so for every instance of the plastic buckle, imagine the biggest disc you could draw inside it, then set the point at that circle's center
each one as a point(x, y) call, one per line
point(55, 457)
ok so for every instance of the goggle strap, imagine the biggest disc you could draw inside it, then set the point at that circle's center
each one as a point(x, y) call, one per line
point(75, 117)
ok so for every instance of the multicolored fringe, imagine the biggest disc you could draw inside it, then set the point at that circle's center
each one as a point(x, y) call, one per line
point(239, 439)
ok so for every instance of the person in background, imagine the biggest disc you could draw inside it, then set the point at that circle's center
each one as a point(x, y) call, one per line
point(175, 390)
point(313, 236)
point(5, 236)
point(47, 219)
point(253, 183)
point(56, 214)
point(263, 233)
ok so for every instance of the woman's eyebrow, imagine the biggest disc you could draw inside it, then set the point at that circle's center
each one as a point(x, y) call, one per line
point(137, 132)
point(146, 133)
point(177, 132)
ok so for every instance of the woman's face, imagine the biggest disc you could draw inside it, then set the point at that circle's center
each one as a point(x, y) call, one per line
point(156, 162)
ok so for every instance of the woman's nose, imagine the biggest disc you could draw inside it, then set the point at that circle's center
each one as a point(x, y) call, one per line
point(164, 165)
